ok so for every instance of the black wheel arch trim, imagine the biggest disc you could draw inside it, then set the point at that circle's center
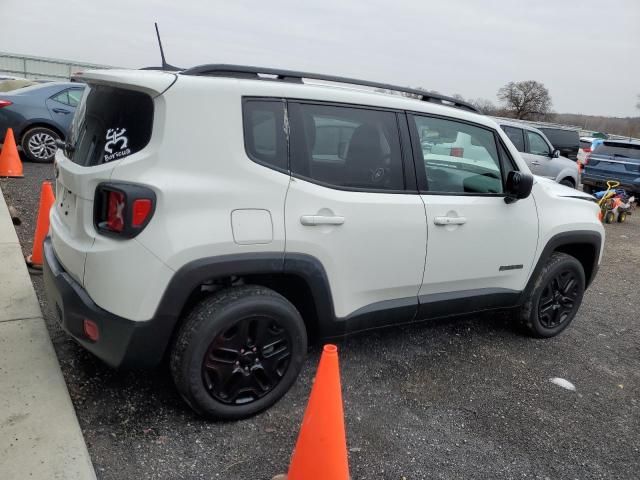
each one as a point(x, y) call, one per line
point(560, 242)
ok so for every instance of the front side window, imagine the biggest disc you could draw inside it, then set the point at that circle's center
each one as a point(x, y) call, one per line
point(264, 132)
point(346, 147)
point(537, 145)
point(516, 136)
point(458, 158)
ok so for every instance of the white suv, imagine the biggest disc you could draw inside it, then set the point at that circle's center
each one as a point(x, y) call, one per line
point(224, 215)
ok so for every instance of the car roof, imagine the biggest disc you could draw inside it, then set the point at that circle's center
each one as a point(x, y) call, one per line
point(49, 86)
point(158, 81)
point(621, 142)
point(522, 125)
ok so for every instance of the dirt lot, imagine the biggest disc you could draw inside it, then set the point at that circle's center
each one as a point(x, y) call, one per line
point(464, 399)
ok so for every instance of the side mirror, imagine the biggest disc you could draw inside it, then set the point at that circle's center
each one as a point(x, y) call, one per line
point(519, 185)
point(555, 153)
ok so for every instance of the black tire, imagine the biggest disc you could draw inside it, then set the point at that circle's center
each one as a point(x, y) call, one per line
point(539, 314)
point(567, 183)
point(39, 144)
point(238, 383)
point(622, 217)
point(609, 217)
point(587, 189)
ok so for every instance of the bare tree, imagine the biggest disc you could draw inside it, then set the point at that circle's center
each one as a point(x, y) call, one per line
point(485, 106)
point(526, 99)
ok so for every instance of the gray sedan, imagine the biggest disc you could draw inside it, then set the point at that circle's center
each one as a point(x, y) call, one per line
point(39, 115)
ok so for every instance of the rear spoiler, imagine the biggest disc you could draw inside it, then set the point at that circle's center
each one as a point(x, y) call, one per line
point(152, 82)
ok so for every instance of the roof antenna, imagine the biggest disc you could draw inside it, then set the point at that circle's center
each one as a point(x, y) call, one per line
point(165, 65)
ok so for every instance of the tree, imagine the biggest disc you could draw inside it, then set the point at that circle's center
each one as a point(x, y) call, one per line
point(526, 99)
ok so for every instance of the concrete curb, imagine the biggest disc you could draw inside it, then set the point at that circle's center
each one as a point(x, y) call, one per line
point(40, 437)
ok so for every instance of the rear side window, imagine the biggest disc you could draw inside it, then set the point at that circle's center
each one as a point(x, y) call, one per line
point(562, 138)
point(264, 132)
point(620, 150)
point(110, 124)
point(516, 136)
point(346, 147)
point(69, 97)
point(459, 158)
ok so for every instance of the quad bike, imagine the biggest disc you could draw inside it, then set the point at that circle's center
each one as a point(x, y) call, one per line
point(614, 203)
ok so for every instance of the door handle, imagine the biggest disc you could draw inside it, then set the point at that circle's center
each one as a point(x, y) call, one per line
point(312, 220)
point(535, 162)
point(449, 220)
point(61, 110)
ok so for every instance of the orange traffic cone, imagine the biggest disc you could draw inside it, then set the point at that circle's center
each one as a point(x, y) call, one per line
point(321, 449)
point(10, 164)
point(47, 199)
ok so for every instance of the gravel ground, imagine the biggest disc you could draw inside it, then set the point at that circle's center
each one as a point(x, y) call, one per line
point(447, 400)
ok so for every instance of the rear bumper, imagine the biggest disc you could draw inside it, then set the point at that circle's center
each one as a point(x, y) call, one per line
point(122, 342)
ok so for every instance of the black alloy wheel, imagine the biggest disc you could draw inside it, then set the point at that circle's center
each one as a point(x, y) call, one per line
point(558, 300)
point(553, 297)
point(238, 351)
point(247, 360)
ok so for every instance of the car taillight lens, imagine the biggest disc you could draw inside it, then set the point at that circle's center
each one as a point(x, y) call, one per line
point(115, 211)
point(586, 160)
point(457, 152)
point(123, 210)
point(586, 149)
point(5, 103)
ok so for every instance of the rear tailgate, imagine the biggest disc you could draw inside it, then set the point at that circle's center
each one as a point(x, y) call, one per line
point(113, 121)
point(614, 161)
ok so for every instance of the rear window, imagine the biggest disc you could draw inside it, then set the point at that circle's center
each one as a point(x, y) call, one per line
point(585, 143)
point(562, 138)
point(618, 150)
point(110, 124)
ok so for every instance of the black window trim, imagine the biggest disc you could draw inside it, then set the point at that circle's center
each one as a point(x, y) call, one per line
point(421, 173)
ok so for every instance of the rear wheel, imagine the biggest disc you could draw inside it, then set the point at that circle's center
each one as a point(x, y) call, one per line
point(39, 144)
point(238, 352)
point(555, 297)
point(609, 217)
point(622, 216)
point(568, 183)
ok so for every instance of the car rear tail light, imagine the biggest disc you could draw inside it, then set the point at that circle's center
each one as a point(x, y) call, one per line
point(5, 103)
point(457, 152)
point(123, 210)
point(90, 330)
point(586, 160)
point(115, 211)
point(586, 149)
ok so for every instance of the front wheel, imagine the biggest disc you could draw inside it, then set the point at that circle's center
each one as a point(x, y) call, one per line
point(39, 144)
point(238, 352)
point(555, 297)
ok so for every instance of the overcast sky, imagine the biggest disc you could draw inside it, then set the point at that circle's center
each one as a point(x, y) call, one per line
point(586, 52)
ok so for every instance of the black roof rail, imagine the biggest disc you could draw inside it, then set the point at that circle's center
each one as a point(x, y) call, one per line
point(242, 71)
